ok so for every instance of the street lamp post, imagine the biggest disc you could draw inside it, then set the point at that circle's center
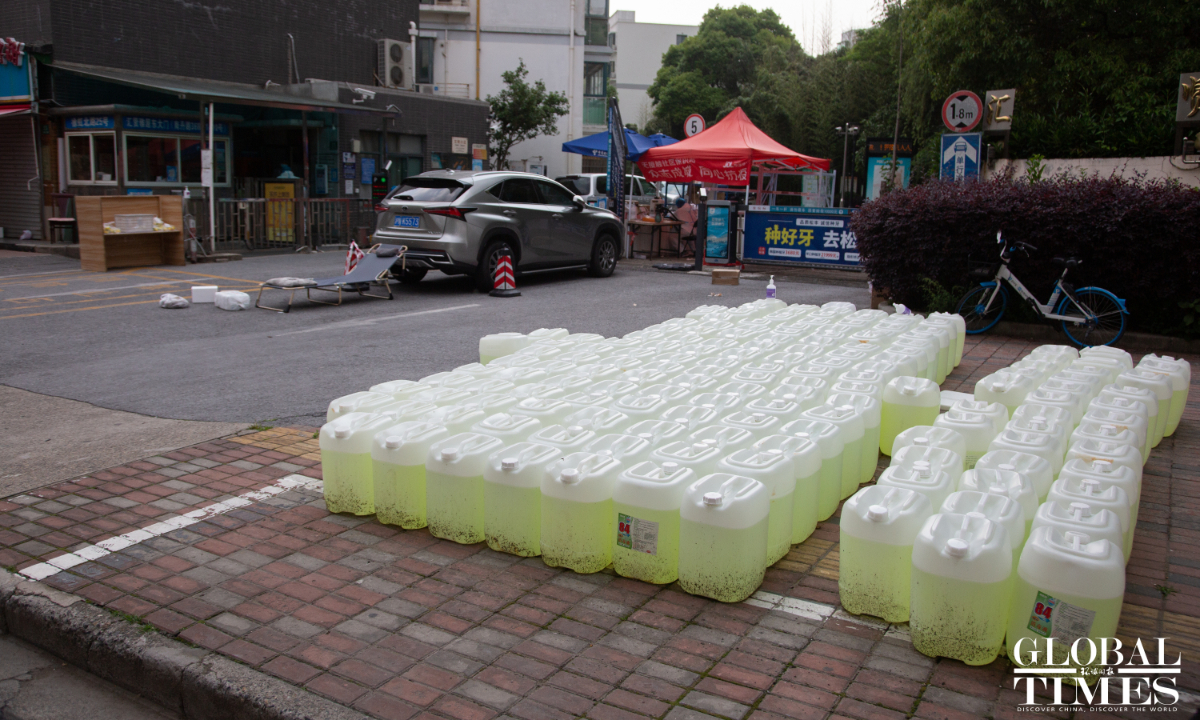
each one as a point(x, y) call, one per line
point(847, 131)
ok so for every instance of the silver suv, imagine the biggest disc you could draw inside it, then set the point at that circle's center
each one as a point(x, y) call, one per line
point(461, 222)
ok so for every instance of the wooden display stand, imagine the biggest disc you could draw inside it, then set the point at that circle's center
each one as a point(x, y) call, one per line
point(100, 252)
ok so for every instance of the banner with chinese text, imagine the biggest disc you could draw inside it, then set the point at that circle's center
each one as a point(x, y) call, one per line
point(798, 235)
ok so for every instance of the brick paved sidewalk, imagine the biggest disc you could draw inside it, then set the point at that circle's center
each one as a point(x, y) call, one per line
point(400, 624)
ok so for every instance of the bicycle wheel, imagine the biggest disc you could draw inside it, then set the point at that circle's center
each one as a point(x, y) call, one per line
point(1106, 325)
point(971, 308)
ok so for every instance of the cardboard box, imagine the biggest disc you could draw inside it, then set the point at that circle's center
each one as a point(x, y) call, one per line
point(725, 276)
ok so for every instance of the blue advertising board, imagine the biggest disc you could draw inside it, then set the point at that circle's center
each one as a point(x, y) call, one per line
point(877, 170)
point(961, 154)
point(799, 235)
point(14, 78)
point(716, 247)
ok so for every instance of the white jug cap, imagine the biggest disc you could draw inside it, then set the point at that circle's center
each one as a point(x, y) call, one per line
point(956, 547)
point(847, 408)
point(1090, 485)
point(345, 407)
point(574, 430)
point(1108, 429)
point(1078, 508)
point(670, 467)
point(713, 498)
point(708, 405)
point(393, 442)
point(976, 514)
point(341, 432)
point(774, 451)
point(877, 513)
point(787, 397)
point(1001, 387)
point(699, 447)
point(682, 420)
point(1006, 466)
point(758, 416)
point(569, 476)
point(449, 454)
point(508, 464)
point(923, 468)
point(804, 435)
point(646, 436)
point(1099, 465)
point(710, 441)
point(920, 441)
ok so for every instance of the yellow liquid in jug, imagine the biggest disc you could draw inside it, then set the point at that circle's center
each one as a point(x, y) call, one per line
point(874, 578)
point(779, 529)
point(805, 501)
point(400, 494)
point(578, 536)
point(348, 485)
point(1178, 401)
point(869, 462)
point(851, 459)
point(454, 507)
point(722, 563)
point(513, 519)
point(958, 619)
point(898, 418)
point(1024, 600)
point(830, 492)
point(659, 568)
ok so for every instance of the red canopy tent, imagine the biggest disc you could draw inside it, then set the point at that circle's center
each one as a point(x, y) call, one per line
point(723, 154)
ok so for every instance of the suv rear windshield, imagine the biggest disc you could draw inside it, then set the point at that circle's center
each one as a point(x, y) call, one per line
point(577, 185)
point(428, 190)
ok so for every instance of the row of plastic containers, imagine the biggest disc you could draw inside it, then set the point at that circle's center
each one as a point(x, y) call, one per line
point(700, 449)
point(1013, 515)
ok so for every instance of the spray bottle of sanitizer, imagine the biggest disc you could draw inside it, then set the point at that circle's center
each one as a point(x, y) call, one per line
point(771, 287)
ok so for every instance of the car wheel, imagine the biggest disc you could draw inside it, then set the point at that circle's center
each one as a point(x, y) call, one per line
point(411, 276)
point(604, 257)
point(485, 274)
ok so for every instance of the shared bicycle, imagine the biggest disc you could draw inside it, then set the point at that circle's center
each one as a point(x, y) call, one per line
point(1089, 316)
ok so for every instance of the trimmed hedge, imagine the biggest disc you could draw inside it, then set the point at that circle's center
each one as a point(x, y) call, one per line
point(1139, 239)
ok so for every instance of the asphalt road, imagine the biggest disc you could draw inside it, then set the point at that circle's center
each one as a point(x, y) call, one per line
point(101, 338)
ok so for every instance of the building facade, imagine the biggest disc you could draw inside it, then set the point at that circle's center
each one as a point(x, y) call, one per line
point(119, 91)
point(637, 53)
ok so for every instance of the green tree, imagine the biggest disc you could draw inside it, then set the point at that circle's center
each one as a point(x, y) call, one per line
point(520, 112)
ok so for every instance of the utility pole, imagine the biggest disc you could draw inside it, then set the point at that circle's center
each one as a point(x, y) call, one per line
point(847, 131)
point(899, 84)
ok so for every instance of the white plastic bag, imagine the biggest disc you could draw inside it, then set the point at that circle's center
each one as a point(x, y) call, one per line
point(172, 301)
point(232, 300)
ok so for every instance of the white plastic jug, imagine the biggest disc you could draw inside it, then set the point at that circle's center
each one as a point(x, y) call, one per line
point(1098, 494)
point(454, 486)
point(567, 438)
point(1079, 517)
point(722, 403)
point(512, 497)
point(658, 431)
point(726, 438)
point(449, 379)
point(1119, 393)
point(548, 411)
point(997, 412)
point(1036, 425)
point(758, 424)
point(398, 471)
point(542, 335)
point(1090, 451)
point(723, 537)
point(784, 407)
point(1108, 352)
point(457, 418)
point(690, 416)
point(935, 483)
point(877, 530)
point(1009, 483)
point(960, 331)
point(850, 421)
point(1007, 388)
point(578, 522)
point(977, 430)
point(1042, 444)
point(511, 429)
point(925, 349)
point(1132, 419)
point(1107, 432)
point(809, 391)
point(701, 458)
point(1106, 368)
point(1052, 415)
point(937, 458)
point(603, 420)
point(962, 580)
point(346, 465)
point(772, 468)
point(1000, 509)
point(1055, 351)
point(625, 449)
point(928, 436)
point(805, 455)
point(905, 362)
point(871, 410)
point(1034, 467)
point(391, 387)
point(488, 385)
point(907, 402)
point(1084, 386)
point(1180, 374)
point(1068, 587)
point(491, 403)
point(831, 440)
point(363, 402)
point(646, 499)
point(1058, 398)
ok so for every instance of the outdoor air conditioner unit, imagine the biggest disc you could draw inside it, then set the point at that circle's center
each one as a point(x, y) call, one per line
point(427, 89)
point(395, 67)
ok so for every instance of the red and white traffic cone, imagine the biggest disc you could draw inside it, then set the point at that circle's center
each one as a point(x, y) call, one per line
point(506, 282)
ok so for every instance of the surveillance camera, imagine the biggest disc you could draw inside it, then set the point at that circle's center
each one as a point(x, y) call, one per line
point(365, 93)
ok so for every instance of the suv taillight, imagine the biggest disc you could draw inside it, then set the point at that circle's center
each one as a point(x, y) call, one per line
point(450, 211)
point(380, 208)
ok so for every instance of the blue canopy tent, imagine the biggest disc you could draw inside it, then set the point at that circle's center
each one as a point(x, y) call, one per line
point(659, 139)
point(597, 145)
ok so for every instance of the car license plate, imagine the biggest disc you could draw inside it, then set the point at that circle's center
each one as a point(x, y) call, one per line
point(407, 221)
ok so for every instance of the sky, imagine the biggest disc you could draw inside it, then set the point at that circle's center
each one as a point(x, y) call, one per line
point(804, 17)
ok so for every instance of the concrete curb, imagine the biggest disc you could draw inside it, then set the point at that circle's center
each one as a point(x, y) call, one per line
point(195, 683)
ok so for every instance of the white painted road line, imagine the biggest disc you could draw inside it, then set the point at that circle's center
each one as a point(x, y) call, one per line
point(87, 553)
point(106, 289)
point(367, 322)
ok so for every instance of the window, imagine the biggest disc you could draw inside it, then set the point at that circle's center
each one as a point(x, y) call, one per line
point(579, 185)
point(680, 38)
point(425, 50)
point(595, 23)
point(172, 160)
point(91, 158)
point(553, 194)
point(429, 190)
point(519, 191)
point(595, 79)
